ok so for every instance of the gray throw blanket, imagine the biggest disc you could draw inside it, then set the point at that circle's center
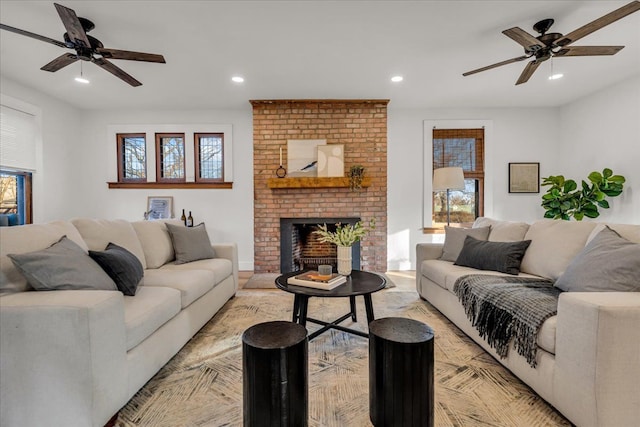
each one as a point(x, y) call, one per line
point(502, 308)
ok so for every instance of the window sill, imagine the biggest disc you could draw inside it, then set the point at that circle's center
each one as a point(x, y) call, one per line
point(432, 230)
point(185, 185)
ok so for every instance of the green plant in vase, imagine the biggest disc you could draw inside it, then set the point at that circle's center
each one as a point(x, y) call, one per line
point(344, 237)
point(356, 176)
point(564, 199)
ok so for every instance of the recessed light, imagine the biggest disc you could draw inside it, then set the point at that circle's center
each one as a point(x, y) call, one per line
point(237, 79)
point(556, 76)
point(397, 79)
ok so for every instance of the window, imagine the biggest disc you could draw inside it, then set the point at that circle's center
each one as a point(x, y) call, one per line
point(459, 148)
point(209, 156)
point(132, 157)
point(170, 157)
point(15, 198)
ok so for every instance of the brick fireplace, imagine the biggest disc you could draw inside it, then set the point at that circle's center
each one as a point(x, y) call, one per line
point(361, 125)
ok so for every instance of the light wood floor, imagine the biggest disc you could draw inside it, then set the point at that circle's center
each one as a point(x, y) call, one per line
point(404, 280)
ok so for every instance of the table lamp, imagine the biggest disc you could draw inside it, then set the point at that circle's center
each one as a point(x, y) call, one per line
point(448, 179)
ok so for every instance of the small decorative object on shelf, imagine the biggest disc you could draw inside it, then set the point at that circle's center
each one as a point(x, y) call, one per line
point(356, 175)
point(183, 218)
point(189, 220)
point(312, 279)
point(344, 237)
point(281, 172)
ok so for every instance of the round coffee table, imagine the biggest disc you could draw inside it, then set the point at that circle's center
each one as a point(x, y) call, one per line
point(358, 283)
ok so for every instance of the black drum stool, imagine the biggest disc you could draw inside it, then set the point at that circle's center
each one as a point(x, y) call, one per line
point(274, 375)
point(400, 373)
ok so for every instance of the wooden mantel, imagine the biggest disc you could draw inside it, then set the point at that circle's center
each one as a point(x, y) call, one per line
point(341, 182)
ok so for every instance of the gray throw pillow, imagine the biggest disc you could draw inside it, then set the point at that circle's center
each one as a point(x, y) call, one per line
point(608, 263)
point(124, 268)
point(454, 240)
point(190, 243)
point(504, 257)
point(63, 265)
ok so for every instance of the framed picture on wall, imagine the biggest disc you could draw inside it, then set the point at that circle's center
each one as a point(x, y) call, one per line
point(524, 177)
point(159, 207)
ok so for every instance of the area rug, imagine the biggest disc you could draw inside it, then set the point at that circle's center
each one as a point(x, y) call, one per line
point(202, 384)
point(267, 281)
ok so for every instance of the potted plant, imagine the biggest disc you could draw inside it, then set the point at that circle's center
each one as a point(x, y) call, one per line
point(344, 237)
point(564, 199)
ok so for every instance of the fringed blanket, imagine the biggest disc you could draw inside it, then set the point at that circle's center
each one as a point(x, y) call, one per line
point(502, 308)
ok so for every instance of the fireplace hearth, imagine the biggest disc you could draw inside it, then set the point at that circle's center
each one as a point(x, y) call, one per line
point(301, 248)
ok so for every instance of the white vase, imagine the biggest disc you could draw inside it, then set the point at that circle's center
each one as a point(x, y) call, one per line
point(344, 260)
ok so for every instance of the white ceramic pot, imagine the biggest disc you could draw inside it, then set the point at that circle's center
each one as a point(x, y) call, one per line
point(344, 260)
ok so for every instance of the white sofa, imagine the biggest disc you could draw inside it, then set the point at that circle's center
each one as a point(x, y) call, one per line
point(75, 357)
point(588, 358)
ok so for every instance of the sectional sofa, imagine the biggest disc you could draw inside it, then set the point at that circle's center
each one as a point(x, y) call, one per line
point(75, 357)
point(588, 355)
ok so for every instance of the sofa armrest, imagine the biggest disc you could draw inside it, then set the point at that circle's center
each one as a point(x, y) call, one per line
point(62, 358)
point(228, 251)
point(425, 251)
point(598, 358)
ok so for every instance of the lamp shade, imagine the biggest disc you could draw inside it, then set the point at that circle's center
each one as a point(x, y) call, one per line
point(448, 179)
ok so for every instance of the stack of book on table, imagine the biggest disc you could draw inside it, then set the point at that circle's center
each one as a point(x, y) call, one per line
point(312, 279)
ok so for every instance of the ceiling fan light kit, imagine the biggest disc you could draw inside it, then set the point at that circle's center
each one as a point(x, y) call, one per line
point(86, 48)
point(555, 45)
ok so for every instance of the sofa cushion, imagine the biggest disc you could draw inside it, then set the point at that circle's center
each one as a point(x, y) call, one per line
point(445, 273)
point(454, 240)
point(546, 338)
point(155, 241)
point(503, 231)
point(554, 243)
point(151, 308)
point(630, 232)
point(121, 265)
point(497, 256)
point(29, 238)
point(63, 265)
point(221, 267)
point(190, 243)
point(98, 233)
point(608, 263)
point(191, 283)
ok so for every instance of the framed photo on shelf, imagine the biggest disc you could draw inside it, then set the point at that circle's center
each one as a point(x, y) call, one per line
point(524, 177)
point(159, 207)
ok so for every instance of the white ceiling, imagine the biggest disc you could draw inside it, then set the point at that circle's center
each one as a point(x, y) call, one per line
point(316, 49)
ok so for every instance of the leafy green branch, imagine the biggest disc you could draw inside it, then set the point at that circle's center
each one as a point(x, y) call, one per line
point(565, 200)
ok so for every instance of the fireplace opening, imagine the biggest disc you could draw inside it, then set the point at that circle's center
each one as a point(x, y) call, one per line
point(301, 249)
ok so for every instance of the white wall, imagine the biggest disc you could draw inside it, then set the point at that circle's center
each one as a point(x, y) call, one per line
point(228, 214)
point(519, 135)
point(55, 181)
point(603, 130)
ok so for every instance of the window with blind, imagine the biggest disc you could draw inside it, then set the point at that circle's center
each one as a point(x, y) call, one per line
point(209, 157)
point(459, 148)
point(170, 157)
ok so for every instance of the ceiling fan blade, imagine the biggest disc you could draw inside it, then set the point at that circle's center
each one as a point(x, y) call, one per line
point(588, 50)
point(32, 35)
point(72, 24)
point(605, 20)
point(132, 56)
point(499, 64)
point(116, 71)
point(60, 62)
point(526, 40)
point(528, 72)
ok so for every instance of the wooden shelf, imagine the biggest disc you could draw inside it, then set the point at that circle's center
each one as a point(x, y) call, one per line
point(342, 182)
point(148, 185)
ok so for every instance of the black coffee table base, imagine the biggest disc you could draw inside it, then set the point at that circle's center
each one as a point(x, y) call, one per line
point(301, 302)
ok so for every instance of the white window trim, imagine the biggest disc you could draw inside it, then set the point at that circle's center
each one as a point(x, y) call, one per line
point(427, 165)
point(189, 153)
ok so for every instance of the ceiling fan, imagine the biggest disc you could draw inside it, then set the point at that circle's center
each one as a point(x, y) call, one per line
point(548, 45)
point(87, 48)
